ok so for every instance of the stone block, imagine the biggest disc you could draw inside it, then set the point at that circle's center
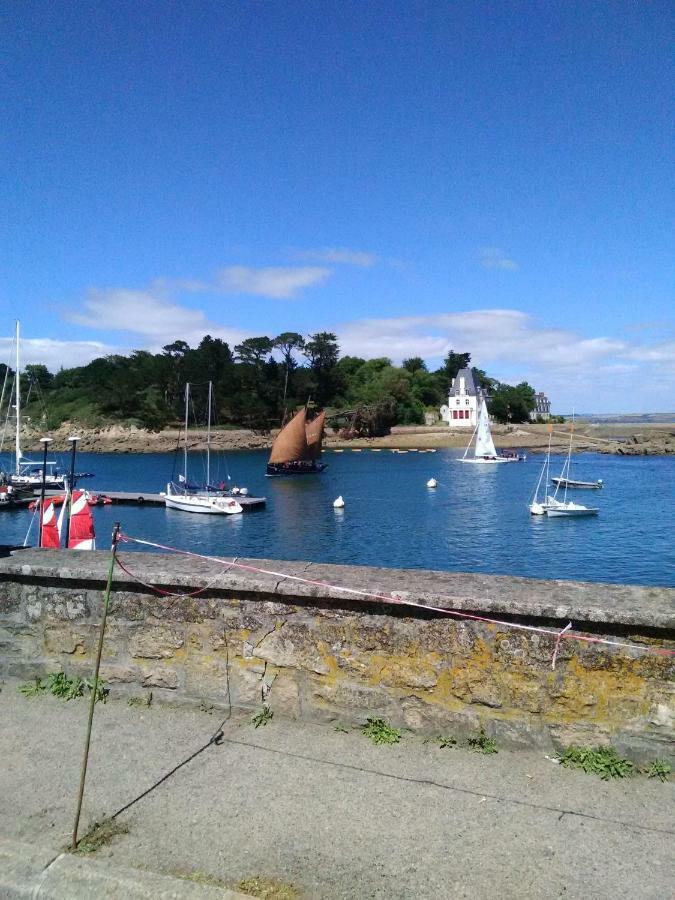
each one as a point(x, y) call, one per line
point(519, 735)
point(209, 680)
point(161, 677)
point(156, 642)
point(112, 673)
point(68, 639)
point(291, 649)
point(436, 719)
point(284, 695)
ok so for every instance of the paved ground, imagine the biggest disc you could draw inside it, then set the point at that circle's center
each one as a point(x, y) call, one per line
point(329, 812)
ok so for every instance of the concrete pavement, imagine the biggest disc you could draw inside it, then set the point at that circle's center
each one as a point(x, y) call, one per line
point(326, 811)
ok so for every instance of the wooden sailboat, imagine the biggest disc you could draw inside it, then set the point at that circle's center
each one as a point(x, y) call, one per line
point(297, 448)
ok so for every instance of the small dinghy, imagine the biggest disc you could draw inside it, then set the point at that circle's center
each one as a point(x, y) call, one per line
point(571, 483)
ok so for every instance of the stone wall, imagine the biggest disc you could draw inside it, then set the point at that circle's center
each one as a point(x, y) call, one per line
point(314, 653)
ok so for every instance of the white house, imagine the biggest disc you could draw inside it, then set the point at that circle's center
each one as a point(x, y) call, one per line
point(542, 407)
point(462, 408)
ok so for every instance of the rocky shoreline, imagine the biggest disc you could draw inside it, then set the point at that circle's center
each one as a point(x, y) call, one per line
point(623, 440)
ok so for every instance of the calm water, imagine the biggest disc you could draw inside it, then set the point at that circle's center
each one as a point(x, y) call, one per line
point(476, 520)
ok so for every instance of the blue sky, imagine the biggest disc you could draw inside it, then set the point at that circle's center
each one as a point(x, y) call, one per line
point(492, 177)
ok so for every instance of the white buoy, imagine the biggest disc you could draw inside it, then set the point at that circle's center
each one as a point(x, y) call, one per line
point(431, 483)
point(338, 503)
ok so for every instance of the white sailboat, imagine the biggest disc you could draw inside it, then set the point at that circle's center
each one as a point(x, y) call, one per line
point(182, 495)
point(566, 509)
point(536, 506)
point(29, 473)
point(484, 450)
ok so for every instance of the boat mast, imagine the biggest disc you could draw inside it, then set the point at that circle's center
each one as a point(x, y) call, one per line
point(569, 458)
point(185, 446)
point(208, 440)
point(17, 382)
point(468, 446)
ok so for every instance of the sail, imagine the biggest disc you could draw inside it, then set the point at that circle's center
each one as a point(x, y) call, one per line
point(314, 433)
point(50, 534)
point(81, 532)
point(484, 443)
point(291, 442)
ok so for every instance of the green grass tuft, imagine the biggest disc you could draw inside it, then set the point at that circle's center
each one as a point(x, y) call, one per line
point(602, 761)
point(33, 688)
point(380, 732)
point(481, 743)
point(658, 769)
point(100, 834)
point(263, 717)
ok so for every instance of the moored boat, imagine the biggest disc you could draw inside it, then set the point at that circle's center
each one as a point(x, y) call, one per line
point(571, 483)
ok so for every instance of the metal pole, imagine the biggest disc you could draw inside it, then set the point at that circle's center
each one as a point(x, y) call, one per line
point(94, 688)
point(71, 483)
point(45, 443)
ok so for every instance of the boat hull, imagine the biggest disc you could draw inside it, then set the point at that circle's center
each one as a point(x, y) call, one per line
point(194, 503)
point(275, 470)
point(481, 461)
point(571, 511)
point(580, 485)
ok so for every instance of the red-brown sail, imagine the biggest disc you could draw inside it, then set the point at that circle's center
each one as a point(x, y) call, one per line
point(314, 432)
point(291, 442)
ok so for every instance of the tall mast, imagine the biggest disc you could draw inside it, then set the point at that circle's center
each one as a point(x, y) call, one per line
point(17, 382)
point(185, 447)
point(208, 440)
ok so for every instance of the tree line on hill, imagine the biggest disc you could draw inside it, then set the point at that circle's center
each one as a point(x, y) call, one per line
point(255, 385)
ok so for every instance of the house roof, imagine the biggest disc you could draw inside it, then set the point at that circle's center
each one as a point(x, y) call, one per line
point(469, 384)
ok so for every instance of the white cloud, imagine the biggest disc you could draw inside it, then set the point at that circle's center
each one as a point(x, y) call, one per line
point(593, 374)
point(277, 282)
point(55, 354)
point(494, 258)
point(151, 315)
point(339, 255)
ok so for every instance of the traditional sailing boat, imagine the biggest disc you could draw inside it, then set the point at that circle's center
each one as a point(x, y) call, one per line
point(484, 451)
point(297, 448)
point(192, 498)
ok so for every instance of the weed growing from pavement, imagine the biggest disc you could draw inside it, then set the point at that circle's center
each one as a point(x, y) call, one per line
point(602, 761)
point(442, 741)
point(481, 743)
point(100, 834)
point(65, 688)
point(380, 732)
point(263, 717)
point(658, 769)
point(341, 729)
point(33, 688)
point(266, 889)
point(145, 700)
point(59, 685)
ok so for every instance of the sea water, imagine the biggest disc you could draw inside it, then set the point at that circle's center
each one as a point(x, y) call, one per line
point(475, 520)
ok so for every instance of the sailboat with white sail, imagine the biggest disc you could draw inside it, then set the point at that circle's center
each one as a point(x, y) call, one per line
point(193, 498)
point(484, 452)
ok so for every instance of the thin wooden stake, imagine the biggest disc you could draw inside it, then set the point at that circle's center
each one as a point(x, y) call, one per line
point(92, 703)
